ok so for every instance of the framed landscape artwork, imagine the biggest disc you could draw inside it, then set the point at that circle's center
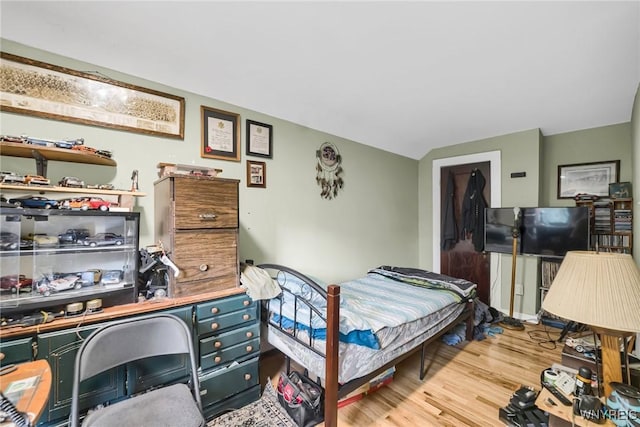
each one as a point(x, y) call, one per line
point(587, 178)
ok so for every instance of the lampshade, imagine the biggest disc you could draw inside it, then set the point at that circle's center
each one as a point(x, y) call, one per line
point(599, 289)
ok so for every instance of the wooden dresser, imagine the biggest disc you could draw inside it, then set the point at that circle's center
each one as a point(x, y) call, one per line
point(196, 219)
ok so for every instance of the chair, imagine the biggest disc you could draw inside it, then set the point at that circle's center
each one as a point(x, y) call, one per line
point(129, 340)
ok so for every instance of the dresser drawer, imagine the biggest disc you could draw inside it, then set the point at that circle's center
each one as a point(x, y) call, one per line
point(224, 306)
point(225, 321)
point(223, 383)
point(236, 401)
point(228, 339)
point(237, 351)
point(16, 351)
point(206, 255)
point(205, 203)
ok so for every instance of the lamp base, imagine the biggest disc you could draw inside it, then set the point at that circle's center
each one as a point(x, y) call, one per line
point(511, 323)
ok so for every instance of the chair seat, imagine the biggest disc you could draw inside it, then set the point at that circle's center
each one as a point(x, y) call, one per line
point(171, 406)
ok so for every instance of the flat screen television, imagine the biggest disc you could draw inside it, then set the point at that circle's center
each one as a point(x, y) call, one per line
point(546, 232)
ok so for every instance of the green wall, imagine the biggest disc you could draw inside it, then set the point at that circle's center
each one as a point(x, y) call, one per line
point(584, 146)
point(373, 221)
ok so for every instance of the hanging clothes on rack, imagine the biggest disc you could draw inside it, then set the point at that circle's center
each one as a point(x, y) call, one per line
point(473, 206)
point(449, 227)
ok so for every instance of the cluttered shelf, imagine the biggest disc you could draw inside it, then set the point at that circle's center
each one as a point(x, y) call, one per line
point(15, 149)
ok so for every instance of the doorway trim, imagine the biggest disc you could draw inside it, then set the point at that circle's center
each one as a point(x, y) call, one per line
point(493, 157)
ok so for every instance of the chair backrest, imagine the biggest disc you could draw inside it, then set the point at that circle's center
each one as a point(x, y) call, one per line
point(129, 340)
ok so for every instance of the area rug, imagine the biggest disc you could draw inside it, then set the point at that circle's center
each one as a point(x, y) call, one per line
point(265, 412)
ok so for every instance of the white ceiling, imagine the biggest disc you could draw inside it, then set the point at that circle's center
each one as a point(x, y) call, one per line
point(405, 77)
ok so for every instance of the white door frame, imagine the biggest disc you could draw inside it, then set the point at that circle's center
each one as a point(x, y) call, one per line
point(493, 157)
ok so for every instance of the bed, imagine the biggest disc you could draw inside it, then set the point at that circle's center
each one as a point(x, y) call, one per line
point(350, 333)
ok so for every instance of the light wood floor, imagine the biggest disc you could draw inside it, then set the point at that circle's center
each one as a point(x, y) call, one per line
point(465, 385)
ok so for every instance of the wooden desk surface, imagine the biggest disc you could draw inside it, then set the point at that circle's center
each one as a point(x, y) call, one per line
point(33, 381)
point(116, 312)
point(562, 411)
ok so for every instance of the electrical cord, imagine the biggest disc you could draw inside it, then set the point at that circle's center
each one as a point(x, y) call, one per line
point(543, 338)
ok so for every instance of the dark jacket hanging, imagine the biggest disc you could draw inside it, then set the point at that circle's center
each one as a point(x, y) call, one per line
point(449, 227)
point(473, 206)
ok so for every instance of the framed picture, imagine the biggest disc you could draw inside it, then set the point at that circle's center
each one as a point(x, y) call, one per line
point(259, 139)
point(256, 174)
point(39, 89)
point(220, 134)
point(620, 190)
point(587, 178)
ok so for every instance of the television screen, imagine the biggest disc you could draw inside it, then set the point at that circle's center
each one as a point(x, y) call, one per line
point(498, 231)
point(549, 232)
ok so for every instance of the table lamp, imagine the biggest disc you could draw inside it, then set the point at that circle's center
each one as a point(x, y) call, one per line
point(602, 290)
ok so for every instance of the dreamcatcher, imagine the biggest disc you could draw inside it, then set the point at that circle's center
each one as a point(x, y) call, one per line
point(329, 170)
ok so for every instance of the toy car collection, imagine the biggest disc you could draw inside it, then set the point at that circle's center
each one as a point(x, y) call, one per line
point(72, 235)
point(15, 283)
point(47, 285)
point(98, 203)
point(42, 240)
point(38, 202)
point(9, 241)
point(103, 239)
point(112, 277)
point(71, 181)
point(11, 177)
point(36, 180)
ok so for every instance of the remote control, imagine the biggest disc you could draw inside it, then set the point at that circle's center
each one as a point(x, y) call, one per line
point(557, 394)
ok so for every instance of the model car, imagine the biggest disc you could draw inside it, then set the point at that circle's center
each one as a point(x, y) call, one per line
point(581, 344)
point(14, 139)
point(41, 240)
point(74, 203)
point(71, 181)
point(90, 277)
point(87, 149)
point(103, 239)
point(9, 241)
point(11, 177)
point(98, 203)
point(72, 235)
point(34, 202)
point(36, 180)
point(48, 285)
point(15, 283)
point(111, 277)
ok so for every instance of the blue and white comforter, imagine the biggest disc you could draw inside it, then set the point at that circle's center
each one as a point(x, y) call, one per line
point(384, 298)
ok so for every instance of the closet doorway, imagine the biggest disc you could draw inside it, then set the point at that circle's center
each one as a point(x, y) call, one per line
point(460, 258)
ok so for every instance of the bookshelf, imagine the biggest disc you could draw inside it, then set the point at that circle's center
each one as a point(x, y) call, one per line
point(611, 224)
point(548, 270)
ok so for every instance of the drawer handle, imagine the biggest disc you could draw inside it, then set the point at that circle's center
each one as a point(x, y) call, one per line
point(247, 377)
point(217, 359)
point(246, 302)
point(214, 326)
point(2, 356)
point(203, 392)
point(207, 217)
point(249, 349)
point(203, 267)
point(249, 334)
point(215, 310)
point(246, 317)
point(217, 344)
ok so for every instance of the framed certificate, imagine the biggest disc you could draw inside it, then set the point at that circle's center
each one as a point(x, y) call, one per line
point(259, 139)
point(220, 134)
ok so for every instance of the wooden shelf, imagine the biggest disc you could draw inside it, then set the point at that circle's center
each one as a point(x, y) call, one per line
point(31, 151)
point(55, 189)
